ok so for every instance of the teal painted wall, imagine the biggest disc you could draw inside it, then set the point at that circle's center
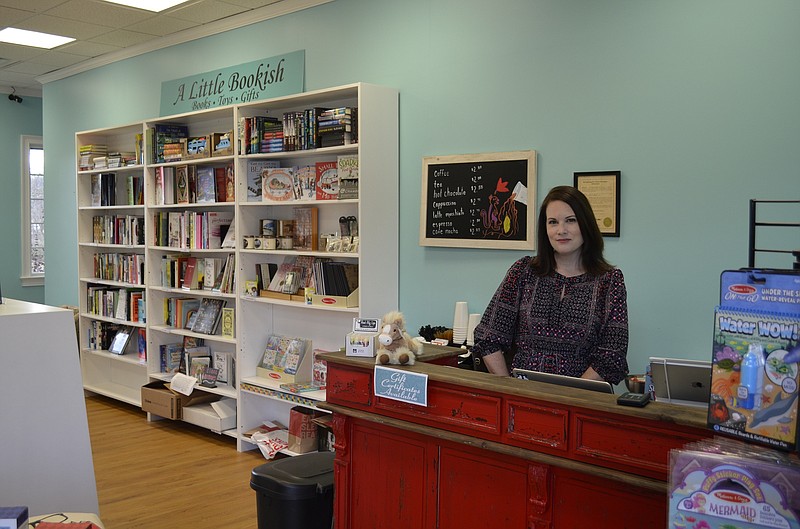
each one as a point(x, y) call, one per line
point(16, 120)
point(695, 101)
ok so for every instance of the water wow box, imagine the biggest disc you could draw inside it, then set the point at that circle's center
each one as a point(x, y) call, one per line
point(732, 491)
point(756, 358)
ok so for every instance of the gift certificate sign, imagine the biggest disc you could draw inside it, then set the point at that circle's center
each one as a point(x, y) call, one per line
point(404, 386)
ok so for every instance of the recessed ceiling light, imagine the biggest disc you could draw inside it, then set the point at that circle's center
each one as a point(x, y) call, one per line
point(150, 5)
point(32, 38)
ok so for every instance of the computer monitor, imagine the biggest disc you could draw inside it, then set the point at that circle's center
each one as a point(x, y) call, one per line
point(562, 380)
point(681, 381)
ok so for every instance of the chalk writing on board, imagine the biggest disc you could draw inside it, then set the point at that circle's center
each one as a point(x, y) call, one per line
point(478, 200)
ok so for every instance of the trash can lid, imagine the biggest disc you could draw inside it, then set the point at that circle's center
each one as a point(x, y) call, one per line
point(298, 477)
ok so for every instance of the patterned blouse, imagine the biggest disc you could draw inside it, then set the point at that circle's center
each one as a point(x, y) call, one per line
point(558, 324)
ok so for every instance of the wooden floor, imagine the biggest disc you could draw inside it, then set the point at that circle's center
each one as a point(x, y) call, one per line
point(167, 474)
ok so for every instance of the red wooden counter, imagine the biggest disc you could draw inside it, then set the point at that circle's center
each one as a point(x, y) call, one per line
point(491, 452)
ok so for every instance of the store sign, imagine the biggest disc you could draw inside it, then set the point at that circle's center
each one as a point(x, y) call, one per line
point(404, 386)
point(253, 81)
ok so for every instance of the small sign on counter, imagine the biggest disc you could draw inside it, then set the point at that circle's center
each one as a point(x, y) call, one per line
point(398, 384)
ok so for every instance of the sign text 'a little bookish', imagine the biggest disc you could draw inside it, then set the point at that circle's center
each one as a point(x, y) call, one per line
point(253, 81)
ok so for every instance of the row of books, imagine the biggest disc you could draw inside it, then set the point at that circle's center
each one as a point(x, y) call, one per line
point(105, 192)
point(192, 229)
point(118, 303)
point(191, 357)
point(298, 130)
point(328, 180)
point(114, 338)
point(193, 273)
point(124, 267)
point(118, 229)
point(324, 275)
point(194, 184)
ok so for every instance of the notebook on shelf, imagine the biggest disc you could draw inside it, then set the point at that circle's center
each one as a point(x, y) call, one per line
point(562, 380)
point(681, 380)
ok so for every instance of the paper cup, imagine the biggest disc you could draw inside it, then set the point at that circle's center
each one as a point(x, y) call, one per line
point(461, 316)
point(474, 320)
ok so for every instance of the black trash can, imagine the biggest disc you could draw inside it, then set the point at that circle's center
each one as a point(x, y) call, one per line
point(295, 492)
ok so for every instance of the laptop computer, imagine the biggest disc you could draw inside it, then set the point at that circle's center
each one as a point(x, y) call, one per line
point(562, 380)
point(681, 381)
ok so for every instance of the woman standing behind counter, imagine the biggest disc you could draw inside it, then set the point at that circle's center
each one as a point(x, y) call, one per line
point(564, 311)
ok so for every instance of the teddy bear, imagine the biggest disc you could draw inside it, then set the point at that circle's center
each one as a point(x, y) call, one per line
point(395, 345)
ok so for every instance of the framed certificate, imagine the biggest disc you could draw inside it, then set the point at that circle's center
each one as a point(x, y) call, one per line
point(602, 190)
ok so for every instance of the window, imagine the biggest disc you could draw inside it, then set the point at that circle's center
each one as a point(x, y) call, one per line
point(32, 211)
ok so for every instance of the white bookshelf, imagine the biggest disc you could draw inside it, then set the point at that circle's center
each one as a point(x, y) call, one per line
point(258, 399)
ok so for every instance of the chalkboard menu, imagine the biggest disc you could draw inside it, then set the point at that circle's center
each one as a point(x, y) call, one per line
point(479, 200)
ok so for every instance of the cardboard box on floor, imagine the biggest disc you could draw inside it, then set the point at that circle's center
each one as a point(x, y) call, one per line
point(158, 399)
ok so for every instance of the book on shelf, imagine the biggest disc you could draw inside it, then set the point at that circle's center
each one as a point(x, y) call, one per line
point(347, 167)
point(182, 184)
point(141, 345)
point(264, 274)
point(189, 353)
point(120, 341)
point(327, 181)
point(228, 329)
point(319, 369)
point(223, 362)
point(121, 304)
point(229, 241)
point(206, 185)
point(208, 316)
point(209, 377)
point(305, 182)
point(192, 275)
point(278, 184)
point(299, 387)
point(306, 228)
point(198, 366)
point(212, 267)
point(219, 223)
point(165, 139)
point(255, 177)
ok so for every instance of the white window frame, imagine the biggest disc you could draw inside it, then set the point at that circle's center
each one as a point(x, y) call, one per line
point(28, 278)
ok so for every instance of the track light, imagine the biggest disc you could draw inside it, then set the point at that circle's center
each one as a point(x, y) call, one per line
point(12, 97)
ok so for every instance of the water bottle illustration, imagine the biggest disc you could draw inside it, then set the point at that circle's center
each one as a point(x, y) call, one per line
point(752, 381)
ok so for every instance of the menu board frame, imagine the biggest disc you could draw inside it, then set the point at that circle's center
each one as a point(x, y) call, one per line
point(484, 187)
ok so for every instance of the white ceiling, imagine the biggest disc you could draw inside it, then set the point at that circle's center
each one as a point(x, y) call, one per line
point(106, 33)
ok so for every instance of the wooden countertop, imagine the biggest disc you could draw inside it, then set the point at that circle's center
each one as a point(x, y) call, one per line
point(671, 413)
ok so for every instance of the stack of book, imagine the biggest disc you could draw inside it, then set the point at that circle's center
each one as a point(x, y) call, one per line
point(337, 126)
point(166, 141)
point(88, 153)
point(120, 159)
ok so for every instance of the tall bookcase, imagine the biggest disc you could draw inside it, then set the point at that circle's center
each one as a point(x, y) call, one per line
point(376, 208)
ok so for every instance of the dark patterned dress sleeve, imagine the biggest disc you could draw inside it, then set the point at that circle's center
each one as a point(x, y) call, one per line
point(498, 324)
point(609, 356)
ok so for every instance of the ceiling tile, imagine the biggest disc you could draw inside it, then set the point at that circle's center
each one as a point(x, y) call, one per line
point(251, 4)
point(206, 11)
point(59, 26)
point(103, 13)
point(87, 48)
point(37, 6)
point(60, 59)
point(162, 26)
point(122, 38)
point(19, 53)
point(9, 17)
point(31, 68)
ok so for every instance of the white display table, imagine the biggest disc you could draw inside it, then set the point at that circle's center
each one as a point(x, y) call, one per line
point(46, 461)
